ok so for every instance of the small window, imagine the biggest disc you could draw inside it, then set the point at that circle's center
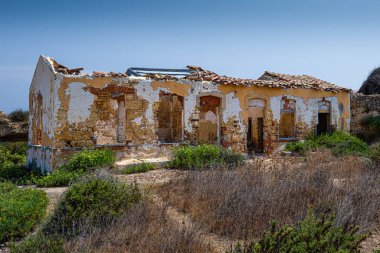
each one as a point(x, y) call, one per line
point(287, 120)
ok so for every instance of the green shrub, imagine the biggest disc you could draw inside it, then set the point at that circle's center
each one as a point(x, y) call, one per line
point(90, 200)
point(77, 166)
point(39, 244)
point(203, 156)
point(18, 115)
point(232, 158)
point(57, 178)
point(316, 233)
point(20, 210)
point(340, 143)
point(6, 187)
point(89, 160)
point(13, 172)
point(13, 164)
point(138, 168)
point(373, 121)
point(13, 153)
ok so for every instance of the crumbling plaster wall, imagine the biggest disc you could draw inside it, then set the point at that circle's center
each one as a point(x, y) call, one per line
point(81, 111)
point(43, 85)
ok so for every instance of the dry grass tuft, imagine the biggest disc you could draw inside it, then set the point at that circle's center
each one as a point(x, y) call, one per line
point(240, 203)
point(144, 228)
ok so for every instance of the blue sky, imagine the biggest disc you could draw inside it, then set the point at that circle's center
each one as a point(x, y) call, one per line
point(335, 40)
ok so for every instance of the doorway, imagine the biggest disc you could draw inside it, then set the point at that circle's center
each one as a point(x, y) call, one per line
point(255, 133)
point(169, 117)
point(323, 123)
point(209, 120)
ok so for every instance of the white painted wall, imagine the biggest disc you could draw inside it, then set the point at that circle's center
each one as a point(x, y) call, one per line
point(80, 102)
point(306, 109)
point(44, 82)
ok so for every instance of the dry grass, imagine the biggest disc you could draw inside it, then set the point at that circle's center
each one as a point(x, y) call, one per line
point(240, 203)
point(144, 228)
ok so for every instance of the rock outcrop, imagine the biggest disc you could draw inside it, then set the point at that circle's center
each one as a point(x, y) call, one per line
point(12, 131)
point(372, 84)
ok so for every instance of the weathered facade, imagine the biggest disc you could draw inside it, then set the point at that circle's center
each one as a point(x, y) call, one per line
point(126, 112)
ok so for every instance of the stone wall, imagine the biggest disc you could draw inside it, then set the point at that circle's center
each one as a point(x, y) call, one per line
point(364, 107)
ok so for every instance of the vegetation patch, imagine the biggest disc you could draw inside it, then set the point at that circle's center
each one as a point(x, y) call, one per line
point(138, 168)
point(13, 164)
point(18, 115)
point(375, 154)
point(58, 178)
point(39, 243)
point(20, 210)
point(90, 200)
point(143, 228)
point(373, 121)
point(89, 160)
point(80, 164)
point(203, 156)
point(340, 143)
point(240, 203)
point(316, 233)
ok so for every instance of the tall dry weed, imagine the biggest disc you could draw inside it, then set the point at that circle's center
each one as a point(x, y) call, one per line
point(240, 203)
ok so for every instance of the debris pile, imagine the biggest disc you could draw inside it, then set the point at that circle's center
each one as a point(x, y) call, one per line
point(65, 70)
point(106, 74)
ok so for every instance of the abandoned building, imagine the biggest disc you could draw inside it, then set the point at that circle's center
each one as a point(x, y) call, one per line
point(153, 108)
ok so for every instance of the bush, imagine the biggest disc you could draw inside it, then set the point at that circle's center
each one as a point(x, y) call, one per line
point(38, 244)
point(13, 172)
point(78, 165)
point(203, 156)
point(7, 187)
point(20, 210)
point(18, 115)
point(373, 121)
point(316, 233)
point(340, 143)
point(12, 164)
point(232, 158)
point(12, 153)
point(90, 200)
point(89, 160)
point(138, 168)
point(58, 178)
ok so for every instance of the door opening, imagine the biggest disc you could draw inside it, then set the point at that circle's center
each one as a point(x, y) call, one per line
point(260, 136)
point(249, 135)
point(209, 124)
point(323, 123)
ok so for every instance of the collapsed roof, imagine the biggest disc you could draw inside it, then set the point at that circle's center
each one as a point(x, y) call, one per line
point(195, 73)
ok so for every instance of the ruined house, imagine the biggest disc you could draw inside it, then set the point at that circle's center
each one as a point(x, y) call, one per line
point(154, 108)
